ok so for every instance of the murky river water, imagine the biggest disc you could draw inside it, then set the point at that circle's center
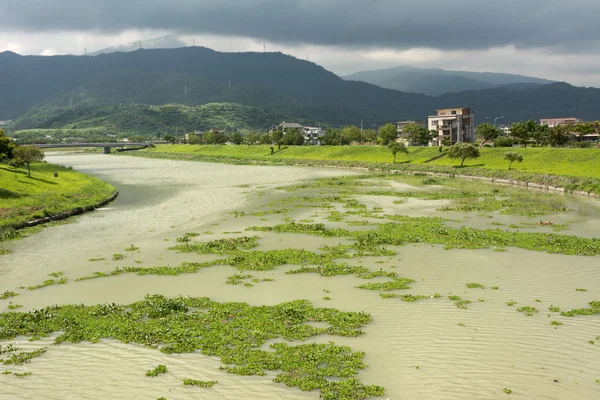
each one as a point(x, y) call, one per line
point(423, 350)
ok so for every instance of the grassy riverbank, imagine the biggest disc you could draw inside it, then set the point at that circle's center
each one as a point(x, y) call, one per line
point(24, 199)
point(573, 169)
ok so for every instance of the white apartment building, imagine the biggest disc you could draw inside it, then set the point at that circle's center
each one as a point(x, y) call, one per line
point(454, 124)
point(312, 135)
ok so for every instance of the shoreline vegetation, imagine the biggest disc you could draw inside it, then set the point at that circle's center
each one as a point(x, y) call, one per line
point(556, 169)
point(52, 193)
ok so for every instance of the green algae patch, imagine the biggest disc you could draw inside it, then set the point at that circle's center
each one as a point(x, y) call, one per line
point(234, 332)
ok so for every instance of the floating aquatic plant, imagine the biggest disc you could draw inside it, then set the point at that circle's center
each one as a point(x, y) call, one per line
point(8, 294)
point(161, 369)
point(49, 282)
point(474, 285)
point(117, 257)
point(235, 332)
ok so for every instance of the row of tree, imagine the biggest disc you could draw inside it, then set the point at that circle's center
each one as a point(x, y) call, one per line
point(530, 132)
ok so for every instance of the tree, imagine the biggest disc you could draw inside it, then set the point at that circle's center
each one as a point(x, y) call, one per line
point(276, 137)
point(417, 134)
point(541, 135)
point(252, 138)
point(26, 155)
point(330, 138)
point(512, 157)
point(293, 137)
point(6, 145)
point(387, 133)
point(369, 136)
point(170, 138)
point(463, 151)
point(209, 137)
point(524, 130)
point(559, 135)
point(487, 132)
point(396, 148)
point(351, 134)
point(237, 138)
point(193, 138)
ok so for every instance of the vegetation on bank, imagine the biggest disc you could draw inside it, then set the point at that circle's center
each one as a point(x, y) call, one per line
point(24, 198)
point(573, 169)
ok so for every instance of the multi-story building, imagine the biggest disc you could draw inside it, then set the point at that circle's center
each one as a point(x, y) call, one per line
point(454, 124)
point(312, 135)
point(552, 122)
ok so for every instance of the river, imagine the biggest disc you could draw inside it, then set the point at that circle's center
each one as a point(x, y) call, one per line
point(421, 350)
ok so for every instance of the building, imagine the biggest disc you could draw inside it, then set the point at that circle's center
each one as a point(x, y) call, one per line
point(453, 124)
point(312, 135)
point(285, 126)
point(552, 122)
point(400, 128)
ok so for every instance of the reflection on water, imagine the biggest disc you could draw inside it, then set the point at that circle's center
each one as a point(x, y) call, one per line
point(428, 349)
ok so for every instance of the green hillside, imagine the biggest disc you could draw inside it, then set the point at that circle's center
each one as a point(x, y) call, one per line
point(96, 122)
point(271, 81)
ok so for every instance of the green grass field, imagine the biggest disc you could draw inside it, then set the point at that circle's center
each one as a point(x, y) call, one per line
point(556, 161)
point(23, 199)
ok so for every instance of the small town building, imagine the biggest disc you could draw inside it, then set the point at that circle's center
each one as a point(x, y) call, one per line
point(552, 122)
point(285, 126)
point(453, 124)
point(312, 135)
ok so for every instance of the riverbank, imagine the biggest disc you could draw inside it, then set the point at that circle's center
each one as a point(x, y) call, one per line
point(53, 192)
point(574, 170)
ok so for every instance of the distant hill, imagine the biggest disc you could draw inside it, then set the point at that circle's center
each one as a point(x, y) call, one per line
point(434, 81)
point(148, 120)
point(165, 42)
point(279, 84)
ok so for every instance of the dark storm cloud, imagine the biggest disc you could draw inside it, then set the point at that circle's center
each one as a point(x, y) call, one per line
point(445, 24)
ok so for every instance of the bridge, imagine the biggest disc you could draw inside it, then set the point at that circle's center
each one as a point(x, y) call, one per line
point(123, 146)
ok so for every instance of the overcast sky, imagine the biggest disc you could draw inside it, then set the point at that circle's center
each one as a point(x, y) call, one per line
point(546, 38)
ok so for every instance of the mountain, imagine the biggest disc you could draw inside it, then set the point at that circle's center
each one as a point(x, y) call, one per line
point(137, 119)
point(435, 82)
point(274, 82)
point(165, 42)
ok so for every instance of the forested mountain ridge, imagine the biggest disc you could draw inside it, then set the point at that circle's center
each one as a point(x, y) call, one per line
point(274, 82)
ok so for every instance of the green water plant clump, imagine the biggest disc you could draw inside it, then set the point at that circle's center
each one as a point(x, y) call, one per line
point(49, 282)
point(235, 332)
point(594, 309)
point(406, 230)
point(23, 357)
point(8, 294)
point(204, 384)
point(161, 369)
point(528, 310)
point(473, 285)
point(219, 246)
point(460, 302)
